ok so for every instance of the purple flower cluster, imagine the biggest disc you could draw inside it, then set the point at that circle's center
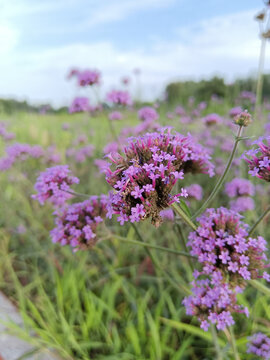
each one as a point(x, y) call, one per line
point(147, 172)
point(79, 104)
point(115, 115)
point(20, 152)
point(258, 159)
point(80, 155)
point(77, 224)
point(148, 113)
point(259, 345)
point(7, 136)
point(88, 77)
point(239, 187)
point(53, 184)
point(222, 244)
point(213, 302)
point(119, 97)
point(229, 258)
point(235, 111)
point(212, 119)
point(195, 191)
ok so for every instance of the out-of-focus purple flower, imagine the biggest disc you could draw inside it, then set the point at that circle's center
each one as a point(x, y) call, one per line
point(267, 126)
point(88, 77)
point(212, 302)
point(195, 191)
point(147, 113)
point(212, 119)
point(77, 224)
point(72, 73)
point(235, 111)
point(248, 95)
point(125, 80)
point(53, 184)
point(150, 167)
point(222, 244)
point(239, 187)
point(115, 115)
point(242, 204)
point(259, 345)
point(79, 104)
point(119, 97)
point(170, 115)
point(180, 111)
point(258, 159)
point(167, 214)
point(7, 136)
point(20, 152)
point(65, 126)
point(102, 165)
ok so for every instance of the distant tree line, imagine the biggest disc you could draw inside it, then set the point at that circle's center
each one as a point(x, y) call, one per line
point(10, 106)
point(181, 91)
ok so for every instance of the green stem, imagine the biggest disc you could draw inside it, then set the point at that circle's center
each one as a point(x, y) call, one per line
point(111, 126)
point(259, 286)
point(135, 242)
point(233, 343)
point(222, 178)
point(260, 219)
point(184, 245)
point(184, 216)
point(216, 344)
point(156, 263)
point(260, 77)
point(76, 193)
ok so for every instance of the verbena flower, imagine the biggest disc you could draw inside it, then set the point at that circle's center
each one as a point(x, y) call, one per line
point(144, 176)
point(213, 302)
point(242, 204)
point(119, 97)
point(20, 152)
point(53, 184)
point(222, 244)
point(115, 115)
point(235, 111)
point(259, 345)
point(88, 77)
point(195, 191)
point(243, 118)
point(258, 159)
point(77, 224)
point(148, 113)
point(79, 104)
point(239, 187)
point(212, 119)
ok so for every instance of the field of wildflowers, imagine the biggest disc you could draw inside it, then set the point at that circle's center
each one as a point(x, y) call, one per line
point(138, 231)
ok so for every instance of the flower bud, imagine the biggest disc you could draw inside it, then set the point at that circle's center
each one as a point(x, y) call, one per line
point(243, 119)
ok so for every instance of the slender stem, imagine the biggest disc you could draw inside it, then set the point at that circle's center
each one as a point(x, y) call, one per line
point(150, 246)
point(222, 178)
point(183, 241)
point(184, 216)
point(260, 219)
point(76, 193)
point(167, 275)
point(216, 344)
point(259, 286)
point(111, 126)
point(233, 343)
point(260, 77)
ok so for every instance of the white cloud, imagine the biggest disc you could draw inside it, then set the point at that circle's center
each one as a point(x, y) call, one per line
point(226, 45)
point(118, 10)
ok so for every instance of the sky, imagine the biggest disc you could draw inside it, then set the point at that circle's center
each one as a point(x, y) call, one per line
point(40, 40)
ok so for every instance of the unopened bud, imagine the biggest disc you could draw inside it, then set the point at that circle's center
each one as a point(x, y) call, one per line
point(243, 119)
